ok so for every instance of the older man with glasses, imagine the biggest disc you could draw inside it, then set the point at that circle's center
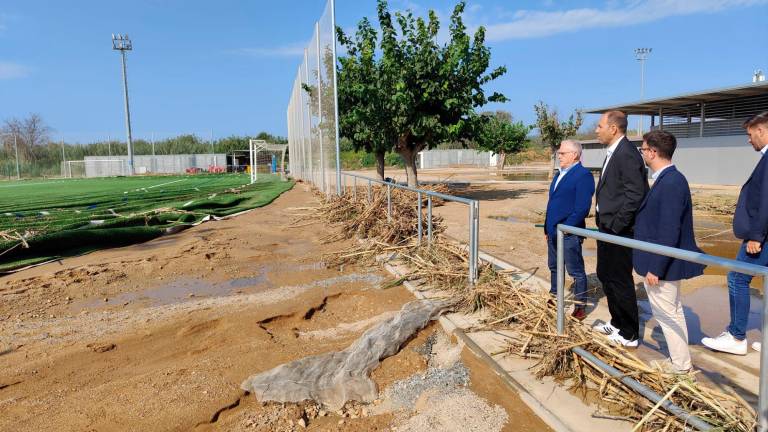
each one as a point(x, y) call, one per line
point(570, 198)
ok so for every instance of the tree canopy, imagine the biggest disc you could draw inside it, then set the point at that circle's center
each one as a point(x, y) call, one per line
point(500, 135)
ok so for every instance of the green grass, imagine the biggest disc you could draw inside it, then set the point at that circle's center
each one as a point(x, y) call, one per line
point(65, 217)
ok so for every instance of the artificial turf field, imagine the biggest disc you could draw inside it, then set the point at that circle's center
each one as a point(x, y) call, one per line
point(70, 216)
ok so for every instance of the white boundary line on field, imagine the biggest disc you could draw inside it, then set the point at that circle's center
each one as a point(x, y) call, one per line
point(163, 184)
point(30, 184)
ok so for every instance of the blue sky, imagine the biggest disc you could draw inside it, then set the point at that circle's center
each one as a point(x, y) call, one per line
point(227, 67)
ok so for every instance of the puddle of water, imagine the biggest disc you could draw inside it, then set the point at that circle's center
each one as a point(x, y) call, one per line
point(506, 219)
point(526, 176)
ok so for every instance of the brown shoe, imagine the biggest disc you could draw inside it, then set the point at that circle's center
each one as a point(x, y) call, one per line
point(579, 312)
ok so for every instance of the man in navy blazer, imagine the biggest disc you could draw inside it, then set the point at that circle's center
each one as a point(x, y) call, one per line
point(750, 224)
point(665, 217)
point(570, 197)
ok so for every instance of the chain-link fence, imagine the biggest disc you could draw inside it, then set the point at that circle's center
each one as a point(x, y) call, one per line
point(312, 110)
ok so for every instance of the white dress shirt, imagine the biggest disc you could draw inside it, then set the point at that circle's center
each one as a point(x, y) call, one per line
point(764, 149)
point(609, 152)
point(656, 174)
point(563, 172)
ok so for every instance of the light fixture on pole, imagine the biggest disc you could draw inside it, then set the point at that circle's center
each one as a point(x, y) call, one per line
point(641, 54)
point(123, 43)
point(16, 149)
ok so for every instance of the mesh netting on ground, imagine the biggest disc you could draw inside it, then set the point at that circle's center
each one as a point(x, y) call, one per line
point(334, 378)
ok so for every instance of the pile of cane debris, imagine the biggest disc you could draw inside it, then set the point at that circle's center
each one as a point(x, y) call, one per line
point(532, 320)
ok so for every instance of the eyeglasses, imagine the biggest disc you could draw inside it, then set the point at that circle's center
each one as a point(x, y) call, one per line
point(562, 153)
point(647, 149)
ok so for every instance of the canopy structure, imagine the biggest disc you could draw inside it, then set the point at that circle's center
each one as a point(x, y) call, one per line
point(717, 112)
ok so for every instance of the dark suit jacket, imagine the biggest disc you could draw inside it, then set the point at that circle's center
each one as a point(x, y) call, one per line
point(569, 204)
point(750, 222)
point(621, 189)
point(666, 218)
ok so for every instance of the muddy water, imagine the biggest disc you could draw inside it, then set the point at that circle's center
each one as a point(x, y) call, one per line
point(527, 176)
point(506, 219)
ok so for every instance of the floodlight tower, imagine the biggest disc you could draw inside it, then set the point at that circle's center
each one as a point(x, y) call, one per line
point(123, 43)
point(641, 54)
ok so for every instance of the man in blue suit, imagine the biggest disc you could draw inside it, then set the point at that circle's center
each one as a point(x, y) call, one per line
point(665, 217)
point(750, 224)
point(570, 197)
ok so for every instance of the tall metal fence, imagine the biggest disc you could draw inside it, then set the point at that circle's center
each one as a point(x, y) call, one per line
point(312, 111)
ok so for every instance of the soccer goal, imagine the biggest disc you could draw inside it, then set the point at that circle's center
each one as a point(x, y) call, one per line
point(266, 158)
point(95, 168)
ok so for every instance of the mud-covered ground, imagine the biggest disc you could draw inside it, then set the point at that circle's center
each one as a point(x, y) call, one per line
point(159, 336)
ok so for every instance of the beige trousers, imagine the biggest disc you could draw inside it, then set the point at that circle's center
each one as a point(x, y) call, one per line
point(668, 311)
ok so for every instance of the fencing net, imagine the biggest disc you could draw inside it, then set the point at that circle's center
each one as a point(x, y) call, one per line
point(312, 111)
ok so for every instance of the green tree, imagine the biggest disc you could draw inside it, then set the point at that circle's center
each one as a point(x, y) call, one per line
point(361, 97)
point(500, 135)
point(553, 131)
point(430, 91)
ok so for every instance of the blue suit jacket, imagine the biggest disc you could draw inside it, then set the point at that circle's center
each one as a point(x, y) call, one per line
point(665, 217)
point(569, 204)
point(750, 222)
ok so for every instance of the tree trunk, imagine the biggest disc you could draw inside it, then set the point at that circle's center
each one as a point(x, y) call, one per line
point(501, 162)
point(380, 165)
point(555, 165)
point(409, 159)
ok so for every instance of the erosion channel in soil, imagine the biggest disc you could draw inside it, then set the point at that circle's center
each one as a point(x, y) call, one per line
point(159, 336)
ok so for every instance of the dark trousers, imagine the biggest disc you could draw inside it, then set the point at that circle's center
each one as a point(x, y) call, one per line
point(574, 264)
point(614, 269)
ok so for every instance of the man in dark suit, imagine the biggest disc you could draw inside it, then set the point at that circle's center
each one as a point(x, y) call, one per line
point(570, 197)
point(622, 186)
point(750, 224)
point(665, 217)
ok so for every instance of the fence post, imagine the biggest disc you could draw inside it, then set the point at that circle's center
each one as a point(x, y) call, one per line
point(354, 188)
point(418, 207)
point(476, 246)
point(389, 202)
point(471, 244)
point(429, 220)
point(369, 191)
point(560, 284)
point(763, 402)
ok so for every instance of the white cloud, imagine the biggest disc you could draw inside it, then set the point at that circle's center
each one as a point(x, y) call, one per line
point(290, 50)
point(533, 24)
point(10, 70)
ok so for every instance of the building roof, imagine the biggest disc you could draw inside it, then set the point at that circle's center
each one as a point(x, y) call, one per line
point(651, 106)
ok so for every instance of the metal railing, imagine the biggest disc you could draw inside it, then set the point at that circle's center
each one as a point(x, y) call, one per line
point(697, 257)
point(474, 212)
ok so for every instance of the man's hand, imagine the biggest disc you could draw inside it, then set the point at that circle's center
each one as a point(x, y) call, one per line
point(651, 279)
point(753, 247)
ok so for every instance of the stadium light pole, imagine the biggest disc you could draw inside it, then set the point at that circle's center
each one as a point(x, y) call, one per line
point(123, 43)
point(15, 149)
point(641, 54)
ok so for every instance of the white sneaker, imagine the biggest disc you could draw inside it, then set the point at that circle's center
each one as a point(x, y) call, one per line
point(605, 328)
point(666, 366)
point(616, 338)
point(726, 343)
point(756, 346)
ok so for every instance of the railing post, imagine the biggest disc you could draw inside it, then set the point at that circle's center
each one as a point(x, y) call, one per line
point(560, 284)
point(476, 246)
point(389, 202)
point(418, 210)
point(354, 189)
point(763, 402)
point(429, 220)
point(369, 191)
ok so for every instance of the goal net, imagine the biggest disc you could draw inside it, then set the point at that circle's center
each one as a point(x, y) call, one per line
point(95, 168)
point(266, 159)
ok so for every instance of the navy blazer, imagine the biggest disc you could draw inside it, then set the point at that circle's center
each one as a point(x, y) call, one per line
point(665, 217)
point(750, 222)
point(569, 204)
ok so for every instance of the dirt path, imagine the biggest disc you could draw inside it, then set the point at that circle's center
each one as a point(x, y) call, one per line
point(159, 336)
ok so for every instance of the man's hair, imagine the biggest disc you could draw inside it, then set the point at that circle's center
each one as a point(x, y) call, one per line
point(573, 143)
point(617, 118)
point(756, 120)
point(662, 141)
